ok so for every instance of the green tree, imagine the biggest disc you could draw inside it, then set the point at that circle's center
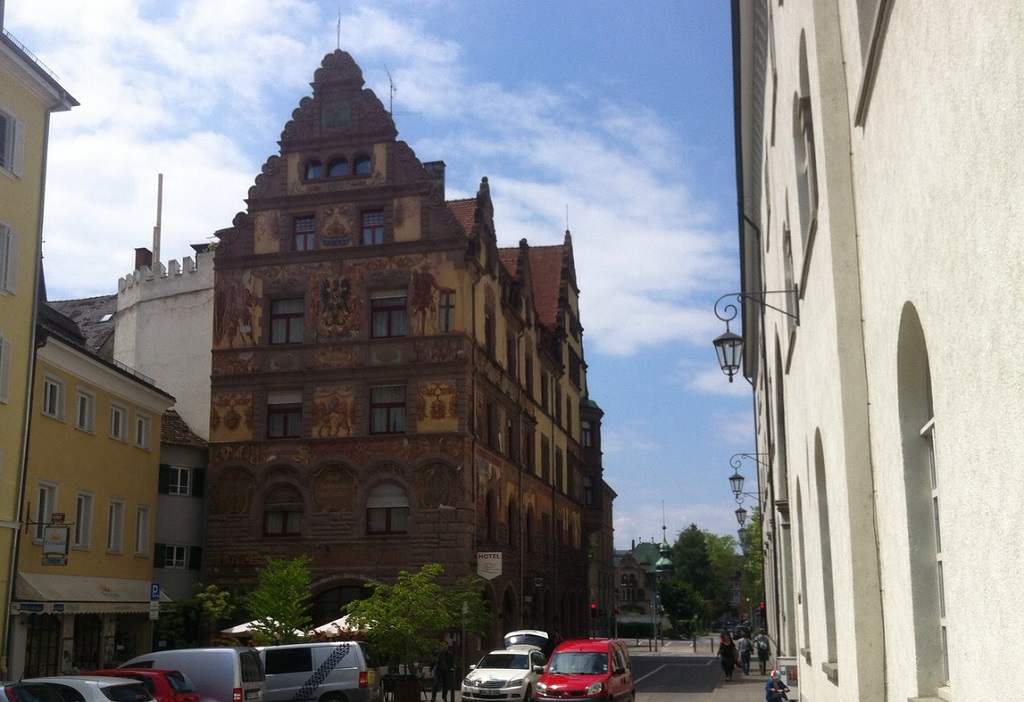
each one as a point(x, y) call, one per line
point(682, 604)
point(279, 605)
point(404, 619)
point(752, 561)
point(692, 561)
point(725, 563)
point(214, 606)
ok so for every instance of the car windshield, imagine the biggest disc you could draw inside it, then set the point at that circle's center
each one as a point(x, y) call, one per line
point(575, 663)
point(40, 692)
point(512, 661)
point(178, 682)
point(134, 692)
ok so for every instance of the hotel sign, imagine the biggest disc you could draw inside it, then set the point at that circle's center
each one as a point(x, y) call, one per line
point(488, 564)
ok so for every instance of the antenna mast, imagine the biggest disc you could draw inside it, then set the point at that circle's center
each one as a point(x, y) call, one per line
point(339, 26)
point(391, 92)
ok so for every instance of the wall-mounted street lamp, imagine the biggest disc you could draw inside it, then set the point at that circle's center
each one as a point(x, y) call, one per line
point(729, 346)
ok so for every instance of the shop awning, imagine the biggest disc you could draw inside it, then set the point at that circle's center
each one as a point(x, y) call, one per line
point(46, 593)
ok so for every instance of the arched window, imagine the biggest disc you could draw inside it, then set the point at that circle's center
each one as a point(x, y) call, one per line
point(513, 524)
point(492, 517)
point(314, 169)
point(282, 512)
point(337, 167)
point(921, 475)
point(530, 544)
point(362, 165)
point(387, 510)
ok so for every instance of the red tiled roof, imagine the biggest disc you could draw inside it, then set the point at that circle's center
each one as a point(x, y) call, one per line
point(546, 273)
point(174, 430)
point(464, 211)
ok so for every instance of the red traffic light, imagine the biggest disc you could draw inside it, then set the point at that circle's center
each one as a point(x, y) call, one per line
point(593, 609)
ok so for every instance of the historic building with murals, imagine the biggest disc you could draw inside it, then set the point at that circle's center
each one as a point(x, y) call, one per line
point(390, 388)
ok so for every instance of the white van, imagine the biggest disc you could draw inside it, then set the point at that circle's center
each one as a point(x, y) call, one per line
point(338, 671)
point(325, 671)
point(227, 674)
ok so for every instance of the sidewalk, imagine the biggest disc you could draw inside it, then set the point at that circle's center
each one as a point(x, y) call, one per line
point(742, 688)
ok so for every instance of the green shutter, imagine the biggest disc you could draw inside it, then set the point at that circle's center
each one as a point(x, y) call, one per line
point(195, 557)
point(164, 479)
point(159, 555)
point(198, 481)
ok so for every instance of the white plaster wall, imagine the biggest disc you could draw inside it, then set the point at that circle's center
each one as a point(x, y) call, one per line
point(165, 330)
point(825, 387)
point(939, 194)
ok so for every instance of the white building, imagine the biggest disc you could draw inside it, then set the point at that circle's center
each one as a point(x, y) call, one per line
point(879, 154)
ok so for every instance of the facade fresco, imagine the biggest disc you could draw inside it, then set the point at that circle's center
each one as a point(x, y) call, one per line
point(333, 411)
point(232, 492)
point(238, 309)
point(425, 293)
point(231, 416)
point(437, 407)
point(336, 303)
point(333, 489)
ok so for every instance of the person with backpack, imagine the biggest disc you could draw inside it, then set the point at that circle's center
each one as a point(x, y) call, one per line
point(763, 646)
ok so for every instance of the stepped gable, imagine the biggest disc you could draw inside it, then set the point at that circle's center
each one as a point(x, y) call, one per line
point(342, 115)
point(340, 110)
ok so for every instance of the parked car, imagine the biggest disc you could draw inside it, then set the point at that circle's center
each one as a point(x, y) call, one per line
point(597, 669)
point(344, 671)
point(227, 674)
point(164, 685)
point(541, 639)
point(76, 688)
point(509, 674)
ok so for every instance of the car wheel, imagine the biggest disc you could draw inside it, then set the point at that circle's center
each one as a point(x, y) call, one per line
point(528, 695)
point(334, 697)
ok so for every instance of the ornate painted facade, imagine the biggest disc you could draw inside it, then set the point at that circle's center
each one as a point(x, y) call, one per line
point(390, 388)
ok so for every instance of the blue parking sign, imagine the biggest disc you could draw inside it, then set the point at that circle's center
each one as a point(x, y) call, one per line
point(154, 592)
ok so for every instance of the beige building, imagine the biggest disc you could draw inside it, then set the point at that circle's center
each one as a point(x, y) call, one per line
point(85, 557)
point(878, 144)
point(29, 93)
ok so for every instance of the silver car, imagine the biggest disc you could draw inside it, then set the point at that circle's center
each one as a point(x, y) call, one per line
point(75, 688)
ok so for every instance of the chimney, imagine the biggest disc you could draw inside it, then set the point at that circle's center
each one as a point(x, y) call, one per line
point(143, 258)
point(435, 173)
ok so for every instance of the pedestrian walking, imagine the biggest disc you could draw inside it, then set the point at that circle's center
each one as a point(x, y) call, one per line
point(443, 671)
point(745, 647)
point(763, 647)
point(727, 654)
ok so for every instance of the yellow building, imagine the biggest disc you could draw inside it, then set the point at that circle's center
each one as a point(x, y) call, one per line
point(28, 94)
point(85, 557)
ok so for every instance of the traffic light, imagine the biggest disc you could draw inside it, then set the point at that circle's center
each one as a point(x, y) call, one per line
point(593, 609)
point(760, 610)
point(616, 609)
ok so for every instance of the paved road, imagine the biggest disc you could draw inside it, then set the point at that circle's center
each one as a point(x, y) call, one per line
point(676, 674)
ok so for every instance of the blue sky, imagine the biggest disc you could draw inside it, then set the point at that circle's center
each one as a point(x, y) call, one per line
point(613, 116)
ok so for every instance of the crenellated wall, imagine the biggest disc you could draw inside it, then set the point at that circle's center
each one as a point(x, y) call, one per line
point(164, 329)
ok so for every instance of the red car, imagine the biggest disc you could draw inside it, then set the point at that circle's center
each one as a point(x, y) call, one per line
point(163, 685)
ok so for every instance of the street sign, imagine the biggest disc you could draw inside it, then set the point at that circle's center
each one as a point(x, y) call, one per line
point(154, 592)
